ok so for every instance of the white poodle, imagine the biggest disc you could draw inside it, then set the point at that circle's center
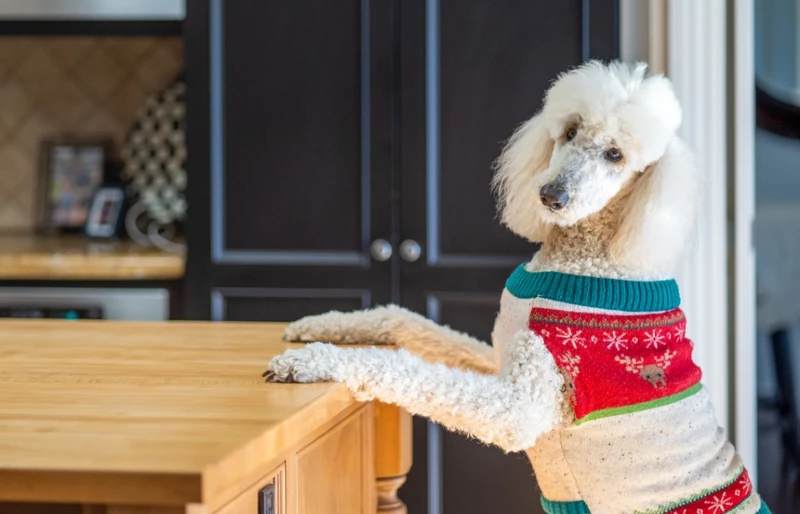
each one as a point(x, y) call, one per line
point(589, 371)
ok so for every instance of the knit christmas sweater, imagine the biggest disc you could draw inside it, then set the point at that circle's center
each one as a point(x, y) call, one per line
point(644, 438)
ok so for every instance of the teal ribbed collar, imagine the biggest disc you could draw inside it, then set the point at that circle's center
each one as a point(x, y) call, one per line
point(576, 507)
point(603, 293)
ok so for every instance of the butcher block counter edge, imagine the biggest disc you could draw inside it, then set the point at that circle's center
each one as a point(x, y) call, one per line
point(221, 479)
point(223, 482)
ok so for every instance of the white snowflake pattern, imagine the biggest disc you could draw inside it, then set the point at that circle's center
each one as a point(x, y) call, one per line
point(570, 337)
point(746, 486)
point(570, 363)
point(665, 360)
point(631, 364)
point(593, 339)
point(654, 338)
point(618, 341)
point(678, 333)
point(719, 503)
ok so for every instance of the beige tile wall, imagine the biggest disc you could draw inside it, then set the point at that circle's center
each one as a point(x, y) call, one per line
point(82, 86)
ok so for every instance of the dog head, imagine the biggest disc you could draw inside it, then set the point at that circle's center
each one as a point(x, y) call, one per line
point(601, 128)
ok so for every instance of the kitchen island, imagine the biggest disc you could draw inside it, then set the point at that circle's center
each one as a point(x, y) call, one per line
point(134, 418)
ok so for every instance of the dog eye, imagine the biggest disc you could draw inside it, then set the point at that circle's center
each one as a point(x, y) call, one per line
point(613, 155)
point(571, 133)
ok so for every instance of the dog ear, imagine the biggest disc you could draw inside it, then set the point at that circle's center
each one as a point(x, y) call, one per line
point(659, 214)
point(526, 154)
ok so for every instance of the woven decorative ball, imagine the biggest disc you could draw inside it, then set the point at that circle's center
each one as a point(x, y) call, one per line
point(154, 156)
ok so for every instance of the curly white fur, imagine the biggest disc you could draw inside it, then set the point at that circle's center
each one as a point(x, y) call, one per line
point(626, 219)
point(395, 325)
point(510, 410)
point(612, 106)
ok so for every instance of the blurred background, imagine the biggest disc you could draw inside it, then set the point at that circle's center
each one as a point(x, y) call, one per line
point(263, 160)
point(777, 243)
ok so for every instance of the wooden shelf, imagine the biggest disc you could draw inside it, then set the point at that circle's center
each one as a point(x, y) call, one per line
point(78, 258)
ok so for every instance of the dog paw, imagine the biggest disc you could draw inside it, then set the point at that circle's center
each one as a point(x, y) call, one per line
point(313, 363)
point(320, 327)
point(360, 327)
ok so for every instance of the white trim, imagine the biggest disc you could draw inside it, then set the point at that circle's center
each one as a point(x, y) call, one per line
point(643, 33)
point(743, 212)
point(633, 31)
point(696, 64)
point(687, 39)
point(657, 36)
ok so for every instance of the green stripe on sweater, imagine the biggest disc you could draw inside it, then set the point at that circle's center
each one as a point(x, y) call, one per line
point(652, 404)
point(579, 507)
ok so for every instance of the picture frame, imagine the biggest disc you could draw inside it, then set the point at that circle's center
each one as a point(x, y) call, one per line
point(107, 212)
point(70, 171)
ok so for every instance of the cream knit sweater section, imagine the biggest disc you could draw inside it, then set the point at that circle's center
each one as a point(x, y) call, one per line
point(635, 463)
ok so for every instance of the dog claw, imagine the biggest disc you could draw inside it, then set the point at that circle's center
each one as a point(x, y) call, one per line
point(271, 376)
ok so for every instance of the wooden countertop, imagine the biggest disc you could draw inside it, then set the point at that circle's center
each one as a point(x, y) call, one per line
point(78, 258)
point(178, 406)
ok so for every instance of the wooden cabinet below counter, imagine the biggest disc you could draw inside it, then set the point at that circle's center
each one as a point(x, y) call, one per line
point(333, 474)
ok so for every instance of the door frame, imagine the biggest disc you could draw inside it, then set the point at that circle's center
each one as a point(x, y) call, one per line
point(742, 86)
point(688, 41)
point(696, 64)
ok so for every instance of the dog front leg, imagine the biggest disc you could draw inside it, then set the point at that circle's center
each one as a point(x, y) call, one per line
point(393, 325)
point(510, 410)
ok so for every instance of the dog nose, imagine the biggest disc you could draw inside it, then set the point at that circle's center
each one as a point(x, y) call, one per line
point(554, 196)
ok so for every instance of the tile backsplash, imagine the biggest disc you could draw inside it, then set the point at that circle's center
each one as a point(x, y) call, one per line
point(75, 86)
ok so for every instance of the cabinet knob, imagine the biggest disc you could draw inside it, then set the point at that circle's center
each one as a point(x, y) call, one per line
point(381, 250)
point(410, 251)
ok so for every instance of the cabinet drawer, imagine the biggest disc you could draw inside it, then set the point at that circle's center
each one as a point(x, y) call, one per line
point(249, 502)
point(336, 473)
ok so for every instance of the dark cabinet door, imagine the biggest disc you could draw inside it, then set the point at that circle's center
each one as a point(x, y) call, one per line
point(289, 130)
point(315, 128)
point(471, 71)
